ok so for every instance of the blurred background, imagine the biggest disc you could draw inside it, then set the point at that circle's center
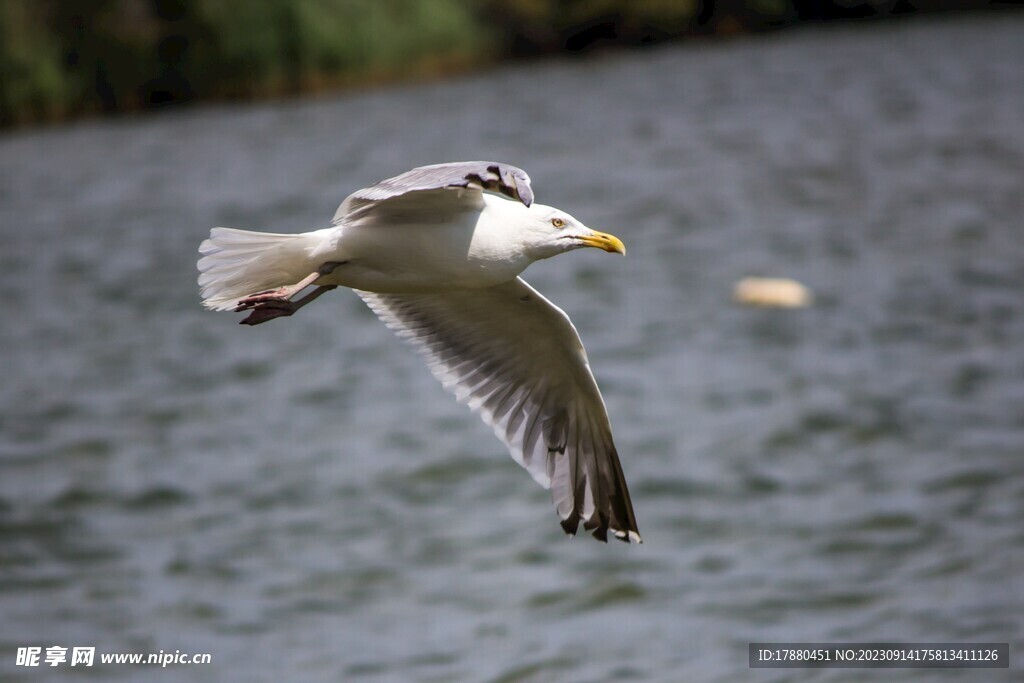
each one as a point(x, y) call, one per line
point(304, 502)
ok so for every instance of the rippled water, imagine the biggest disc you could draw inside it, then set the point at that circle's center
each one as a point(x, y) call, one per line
point(303, 501)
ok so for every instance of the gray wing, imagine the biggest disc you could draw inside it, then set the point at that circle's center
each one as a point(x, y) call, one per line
point(516, 359)
point(475, 176)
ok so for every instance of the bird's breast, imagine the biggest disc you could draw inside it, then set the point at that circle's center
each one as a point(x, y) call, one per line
point(421, 258)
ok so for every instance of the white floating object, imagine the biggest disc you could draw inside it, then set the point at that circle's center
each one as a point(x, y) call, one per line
point(771, 292)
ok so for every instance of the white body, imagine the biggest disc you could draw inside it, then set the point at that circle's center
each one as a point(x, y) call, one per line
point(472, 248)
point(473, 252)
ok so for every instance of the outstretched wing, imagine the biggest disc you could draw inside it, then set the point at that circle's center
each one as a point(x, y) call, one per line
point(516, 359)
point(474, 176)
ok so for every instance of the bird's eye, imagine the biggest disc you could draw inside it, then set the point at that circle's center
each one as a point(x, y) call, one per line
point(558, 222)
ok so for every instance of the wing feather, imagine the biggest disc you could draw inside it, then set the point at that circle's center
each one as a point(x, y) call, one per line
point(516, 359)
point(455, 186)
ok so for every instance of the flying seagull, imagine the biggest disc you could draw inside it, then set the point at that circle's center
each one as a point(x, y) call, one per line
point(436, 253)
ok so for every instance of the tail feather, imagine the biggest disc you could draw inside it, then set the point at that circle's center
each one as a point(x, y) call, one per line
point(237, 263)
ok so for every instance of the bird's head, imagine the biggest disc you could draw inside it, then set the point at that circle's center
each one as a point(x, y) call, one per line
point(551, 231)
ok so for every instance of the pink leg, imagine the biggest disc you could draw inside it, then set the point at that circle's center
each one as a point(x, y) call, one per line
point(277, 303)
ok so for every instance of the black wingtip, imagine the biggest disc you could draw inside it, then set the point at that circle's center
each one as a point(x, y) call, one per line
point(571, 525)
point(599, 525)
point(628, 536)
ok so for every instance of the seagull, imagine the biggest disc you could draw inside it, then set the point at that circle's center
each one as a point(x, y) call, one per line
point(436, 253)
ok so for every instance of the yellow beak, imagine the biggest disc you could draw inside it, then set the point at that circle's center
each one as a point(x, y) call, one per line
point(603, 240)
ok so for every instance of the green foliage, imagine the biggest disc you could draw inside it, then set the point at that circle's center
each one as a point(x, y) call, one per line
point(33, 81)
point(67, 56)
point(544, 25)
point(243, 47)
point(62, 57)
